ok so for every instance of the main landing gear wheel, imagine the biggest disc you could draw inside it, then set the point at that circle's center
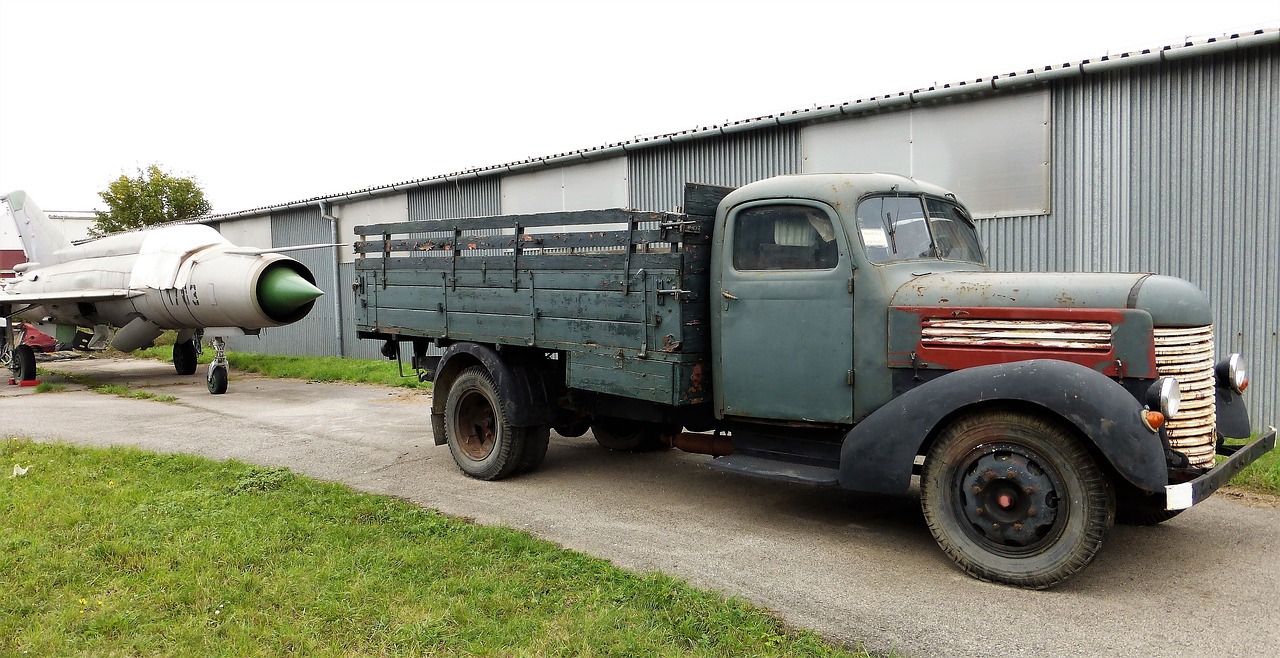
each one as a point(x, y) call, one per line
point(1015, 498)
point(184, 357)
point(629, 435)
point(24, 363)
point(481, 438)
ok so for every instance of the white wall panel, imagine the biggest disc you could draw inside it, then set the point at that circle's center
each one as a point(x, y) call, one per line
point(248, 232)
point(378, 210)
point(994, 153)
point(589, 186)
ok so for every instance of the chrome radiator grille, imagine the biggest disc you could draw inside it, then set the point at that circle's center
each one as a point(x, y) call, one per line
point(1187, 355)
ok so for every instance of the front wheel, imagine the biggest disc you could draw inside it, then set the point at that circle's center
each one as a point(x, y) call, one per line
point(480, 437)
point(217, 380)
point(1015, 498)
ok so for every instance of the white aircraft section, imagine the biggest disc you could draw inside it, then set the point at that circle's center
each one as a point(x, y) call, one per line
point(187, 278)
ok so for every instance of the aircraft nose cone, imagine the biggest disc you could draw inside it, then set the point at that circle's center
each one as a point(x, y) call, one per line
point(282, 291)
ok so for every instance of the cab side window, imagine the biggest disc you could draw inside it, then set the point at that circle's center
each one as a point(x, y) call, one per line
point(784, 237)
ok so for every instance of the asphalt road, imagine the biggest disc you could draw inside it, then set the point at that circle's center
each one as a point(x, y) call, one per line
point(857, 569)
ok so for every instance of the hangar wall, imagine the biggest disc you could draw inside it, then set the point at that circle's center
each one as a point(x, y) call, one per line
point(1170, 167)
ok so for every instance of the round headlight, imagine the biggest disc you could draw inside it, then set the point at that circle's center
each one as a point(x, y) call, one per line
point(1170, 397)
point(1232, 373)
point(1165, 395)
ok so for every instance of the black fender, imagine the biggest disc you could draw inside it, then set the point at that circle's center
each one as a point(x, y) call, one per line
point(1232, 416)
point(526, 389)
point(879, 453)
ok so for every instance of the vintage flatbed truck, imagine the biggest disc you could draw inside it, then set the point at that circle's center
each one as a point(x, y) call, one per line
point(838, 330)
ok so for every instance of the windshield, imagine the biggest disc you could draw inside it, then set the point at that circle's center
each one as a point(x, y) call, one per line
point(897, 228)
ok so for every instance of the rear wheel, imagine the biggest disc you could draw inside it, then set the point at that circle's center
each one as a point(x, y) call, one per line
point(630, 435)
point(536, 440)
point(573, 428)
point(1015, 498)
point(480, 437)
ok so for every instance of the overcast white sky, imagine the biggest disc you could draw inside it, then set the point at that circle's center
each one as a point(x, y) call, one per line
point(266, 102)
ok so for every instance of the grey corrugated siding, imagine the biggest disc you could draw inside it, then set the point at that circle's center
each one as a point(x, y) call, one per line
point(656, 176)
point(315, 334)
point(470, 198)
point(354, 347)
point(1171, 168)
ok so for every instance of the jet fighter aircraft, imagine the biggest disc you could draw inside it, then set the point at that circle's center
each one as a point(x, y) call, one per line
point(184, 277)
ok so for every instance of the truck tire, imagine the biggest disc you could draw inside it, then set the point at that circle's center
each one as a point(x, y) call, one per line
point(574, 428)
point(1015, 498)
point(1134, 507)
point(536, 440)
point(480, 437)
point(628, 435)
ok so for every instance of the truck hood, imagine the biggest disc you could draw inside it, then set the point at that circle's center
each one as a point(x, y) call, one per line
point(1171, 302)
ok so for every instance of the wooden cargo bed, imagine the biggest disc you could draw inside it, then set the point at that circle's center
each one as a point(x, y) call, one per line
point(620, 295)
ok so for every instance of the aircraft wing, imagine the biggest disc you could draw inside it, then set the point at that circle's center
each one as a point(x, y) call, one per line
point(88, 295)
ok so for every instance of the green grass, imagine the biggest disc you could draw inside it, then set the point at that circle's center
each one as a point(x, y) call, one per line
point(118, 390)
point(48, 387)
point(312, 368)
point(121, 552)
point(1262, 476)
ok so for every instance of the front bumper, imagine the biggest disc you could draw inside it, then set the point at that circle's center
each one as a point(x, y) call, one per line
point(1182, 496)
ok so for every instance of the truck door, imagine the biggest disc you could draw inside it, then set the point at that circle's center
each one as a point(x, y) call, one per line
point(785, 314)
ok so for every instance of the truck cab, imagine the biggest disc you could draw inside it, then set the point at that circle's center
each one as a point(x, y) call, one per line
point(803, 270)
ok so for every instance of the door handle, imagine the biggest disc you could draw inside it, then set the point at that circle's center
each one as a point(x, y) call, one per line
point(728, 295)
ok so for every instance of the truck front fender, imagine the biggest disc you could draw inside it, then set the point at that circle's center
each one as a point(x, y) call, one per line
point(879, 453)
point(526, 389)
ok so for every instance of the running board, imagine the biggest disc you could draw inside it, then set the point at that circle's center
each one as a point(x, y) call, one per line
point(774, 469)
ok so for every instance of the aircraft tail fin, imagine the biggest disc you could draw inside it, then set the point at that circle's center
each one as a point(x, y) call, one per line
point(40, 237)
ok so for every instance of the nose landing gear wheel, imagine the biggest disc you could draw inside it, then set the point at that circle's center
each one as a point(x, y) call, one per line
point(217, 380)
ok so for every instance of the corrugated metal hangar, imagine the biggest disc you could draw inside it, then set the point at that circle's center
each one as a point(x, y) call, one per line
point(1164, 161)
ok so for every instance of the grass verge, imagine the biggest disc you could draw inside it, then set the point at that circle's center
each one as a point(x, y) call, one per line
point(1262, 476)
point(105, 389)
point(312, 368)
point(121, 552)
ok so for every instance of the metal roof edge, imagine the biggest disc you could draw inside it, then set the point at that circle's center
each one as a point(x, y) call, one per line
point(1213, 45)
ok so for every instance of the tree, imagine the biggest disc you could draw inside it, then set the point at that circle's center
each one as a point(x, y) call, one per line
point(154, 196)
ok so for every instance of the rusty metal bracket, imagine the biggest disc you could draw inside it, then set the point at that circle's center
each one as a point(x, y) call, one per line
point(453, 259)
point(681, 225)
point(626, 266)
point(515, 257)
point(386, 256)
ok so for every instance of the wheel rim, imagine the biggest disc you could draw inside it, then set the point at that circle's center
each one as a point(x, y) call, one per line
point(1010, 499)
point(477, 426)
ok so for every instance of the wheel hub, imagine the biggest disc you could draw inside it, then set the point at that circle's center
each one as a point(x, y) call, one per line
point(1009, 499)
point(476, 427)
